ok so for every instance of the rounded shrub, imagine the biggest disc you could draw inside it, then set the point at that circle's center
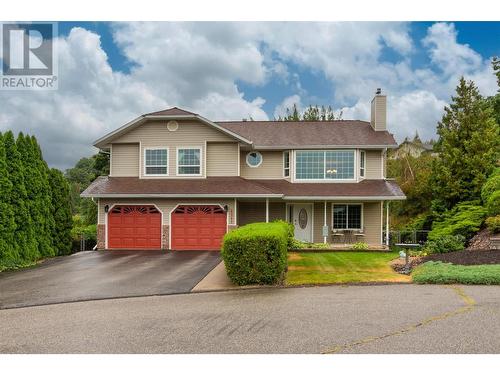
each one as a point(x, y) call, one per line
point(491, 185)
point(493, 203)
point(445, 244)
point(493, 224)
point(257, 253)
point(360, 246)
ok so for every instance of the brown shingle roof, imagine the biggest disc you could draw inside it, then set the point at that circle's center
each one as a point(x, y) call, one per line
point(174, 111)
point(227, 186)
point(239, 187)
point(292, 134)
point(365, 188)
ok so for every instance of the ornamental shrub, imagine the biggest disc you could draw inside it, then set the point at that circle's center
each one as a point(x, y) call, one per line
point(493, 203)
point(493, 224)
point(464, 219)
point(360, 246)
point(257, 253)
point(445, 244)
point(491, 185)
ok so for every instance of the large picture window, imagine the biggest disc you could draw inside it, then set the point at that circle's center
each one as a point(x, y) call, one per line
point(156, 162)
point(347, 216)
point(189, 161)
point(324, 165)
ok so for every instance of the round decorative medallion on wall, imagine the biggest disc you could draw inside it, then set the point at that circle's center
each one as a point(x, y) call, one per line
point(172, 126)
point(254, 159)
point(303, 218)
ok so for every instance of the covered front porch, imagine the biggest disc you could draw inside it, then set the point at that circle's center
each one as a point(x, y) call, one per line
point(338, 224)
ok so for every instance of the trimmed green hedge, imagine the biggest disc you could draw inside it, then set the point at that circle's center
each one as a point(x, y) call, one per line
point(445, 244)
point(257, 253)
point(446, 273)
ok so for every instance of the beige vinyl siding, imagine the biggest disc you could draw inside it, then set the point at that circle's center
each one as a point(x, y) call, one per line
point(271, 167)
point(372, 222)
point(156, 134)
point(319, 220)
point(373, 164)
point(125, 160)
point(253, 212)
point(165, 205)
point(222, 159)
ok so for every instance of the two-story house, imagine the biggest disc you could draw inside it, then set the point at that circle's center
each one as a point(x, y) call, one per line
point(180, 181)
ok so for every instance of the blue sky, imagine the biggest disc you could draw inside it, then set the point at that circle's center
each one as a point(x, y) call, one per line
point(483, 37)
point(109, 73)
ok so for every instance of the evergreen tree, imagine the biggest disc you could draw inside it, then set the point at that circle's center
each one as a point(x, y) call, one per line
point(24, 237)
point(61, 232)
point(8, 253)
point(468, 147)
point(312, 113)
point(44, 199)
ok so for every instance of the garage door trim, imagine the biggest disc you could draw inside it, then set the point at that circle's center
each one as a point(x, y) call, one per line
point(129, 204)
point(191, 204)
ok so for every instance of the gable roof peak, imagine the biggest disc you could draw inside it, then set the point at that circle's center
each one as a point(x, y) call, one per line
point(174, 111)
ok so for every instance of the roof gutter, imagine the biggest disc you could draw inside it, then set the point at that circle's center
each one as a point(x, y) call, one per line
point(298, 147)
point(346, 198)
point(160, 195)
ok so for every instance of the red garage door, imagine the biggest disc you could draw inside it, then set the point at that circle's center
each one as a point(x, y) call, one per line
point(134, 227)
point(198, 227)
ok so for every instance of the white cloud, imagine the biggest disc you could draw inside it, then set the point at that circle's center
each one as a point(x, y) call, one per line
point(198, 66)
point(287, 103)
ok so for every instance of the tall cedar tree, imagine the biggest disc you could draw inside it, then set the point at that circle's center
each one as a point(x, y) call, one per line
point(312, 113)
point(45, 199)
point(24, 237)
point(61, 206)
point(8, 253)
point(468, 147)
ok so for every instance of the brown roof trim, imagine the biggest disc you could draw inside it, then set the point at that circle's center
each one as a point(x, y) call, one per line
point(237, 187)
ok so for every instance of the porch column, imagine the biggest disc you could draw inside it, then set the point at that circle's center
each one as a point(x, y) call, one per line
point(387, 223)
point(324, 223)
point(235, 212)
point(267, 210)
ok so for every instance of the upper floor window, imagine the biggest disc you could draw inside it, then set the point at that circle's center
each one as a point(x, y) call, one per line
point(324, 165)
point(254, 159)
point(286, 163)
point(156, 161)
point(347, 216)
point(189, 161)
point(362, 163)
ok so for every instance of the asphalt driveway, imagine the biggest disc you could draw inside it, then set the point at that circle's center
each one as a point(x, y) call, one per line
point(94, 275)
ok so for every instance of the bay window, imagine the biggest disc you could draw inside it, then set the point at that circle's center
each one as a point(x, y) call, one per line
point(324, 165)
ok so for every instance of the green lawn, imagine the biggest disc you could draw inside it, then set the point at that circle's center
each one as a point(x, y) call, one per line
point(446, 273)
point(341, 267)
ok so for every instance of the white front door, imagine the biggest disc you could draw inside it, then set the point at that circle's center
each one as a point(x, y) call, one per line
point(302, 220)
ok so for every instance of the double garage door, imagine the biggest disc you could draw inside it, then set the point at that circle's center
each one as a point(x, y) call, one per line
point(192, 227)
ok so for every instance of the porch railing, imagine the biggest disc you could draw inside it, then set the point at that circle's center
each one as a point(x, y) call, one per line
point(407, 236)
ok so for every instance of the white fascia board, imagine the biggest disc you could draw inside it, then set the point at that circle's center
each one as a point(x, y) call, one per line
point(105, 138)
point(305, 147)
point(345, 198)
point(182, 195)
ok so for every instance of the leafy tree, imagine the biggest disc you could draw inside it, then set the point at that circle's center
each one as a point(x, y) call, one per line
point(413, 176)
point(8, 253)
point(312, 113)
point(24, 237)
point(61, 212)
point(468, 147)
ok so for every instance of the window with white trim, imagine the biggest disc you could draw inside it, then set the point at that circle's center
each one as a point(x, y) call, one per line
point(347, 216)
point(189, 161)
point(324, 165)
point(286, 163)
point(362, 163)
point(156, 161)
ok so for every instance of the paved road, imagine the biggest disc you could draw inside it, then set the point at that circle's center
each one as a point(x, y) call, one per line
point(105, 274)
point(353, 319)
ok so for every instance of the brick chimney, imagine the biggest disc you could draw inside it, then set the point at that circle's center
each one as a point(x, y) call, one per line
point(379, 111)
